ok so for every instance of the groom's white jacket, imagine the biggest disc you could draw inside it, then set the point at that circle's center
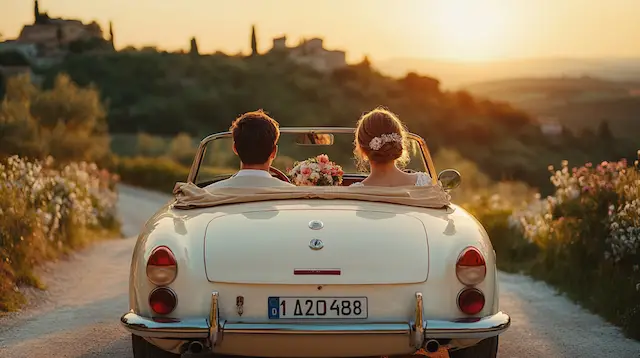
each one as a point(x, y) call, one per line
point(250, 178)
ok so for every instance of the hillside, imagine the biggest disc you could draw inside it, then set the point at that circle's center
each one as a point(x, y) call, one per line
point(578, 103)
point(164, 94)
point(459, 74)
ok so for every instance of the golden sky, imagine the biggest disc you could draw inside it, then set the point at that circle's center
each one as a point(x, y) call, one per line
point(464, 30)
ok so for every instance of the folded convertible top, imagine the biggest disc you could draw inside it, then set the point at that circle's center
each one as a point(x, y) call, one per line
point(190, 196)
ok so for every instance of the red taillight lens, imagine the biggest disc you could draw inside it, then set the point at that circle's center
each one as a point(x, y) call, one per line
point(163, 300)
point(162, 267)
point(471, 268)
point(471, 301)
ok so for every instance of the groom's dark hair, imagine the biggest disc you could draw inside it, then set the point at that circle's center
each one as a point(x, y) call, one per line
point(255, 136)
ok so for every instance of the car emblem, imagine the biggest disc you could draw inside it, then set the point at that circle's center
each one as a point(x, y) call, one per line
point(315, 225)
point(316, 244)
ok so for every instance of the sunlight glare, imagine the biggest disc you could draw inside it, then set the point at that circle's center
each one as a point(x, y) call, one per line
point(471, 30)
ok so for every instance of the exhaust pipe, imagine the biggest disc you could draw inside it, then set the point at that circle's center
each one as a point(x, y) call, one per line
point(195, 347)
point(432, 346)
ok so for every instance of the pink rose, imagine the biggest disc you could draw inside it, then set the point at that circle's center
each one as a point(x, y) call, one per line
point(323, 158)
point(306, 171)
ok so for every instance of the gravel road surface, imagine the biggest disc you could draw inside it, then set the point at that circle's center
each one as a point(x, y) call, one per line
point(78, 316)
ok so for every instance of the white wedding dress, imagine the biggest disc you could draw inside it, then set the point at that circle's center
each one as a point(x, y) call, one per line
point(422, 179)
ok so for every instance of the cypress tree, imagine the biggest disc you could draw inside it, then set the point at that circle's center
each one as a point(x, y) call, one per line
point(365, 62)
point(36, 12)
point(194, 47)
point(254, 41)
point(111, 33)
point(604, 131)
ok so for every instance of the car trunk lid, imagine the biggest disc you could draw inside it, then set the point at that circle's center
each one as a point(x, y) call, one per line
point(316, 246)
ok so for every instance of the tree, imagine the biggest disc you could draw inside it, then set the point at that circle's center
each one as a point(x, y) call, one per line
point(2, 85)
point(254, 41)
point(59, 35)
point(13, 58)
point(604, 131)
point(36, 12)
point(88, 45)
point(111, 34)
point(66, 122)
point(181, 149)
point(365, 62)
point(149, 146)
point(194, 47)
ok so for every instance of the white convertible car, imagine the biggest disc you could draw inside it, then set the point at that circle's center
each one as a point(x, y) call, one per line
point(313, 271)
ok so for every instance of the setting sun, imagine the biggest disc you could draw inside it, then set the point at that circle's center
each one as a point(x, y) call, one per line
point(471, 30)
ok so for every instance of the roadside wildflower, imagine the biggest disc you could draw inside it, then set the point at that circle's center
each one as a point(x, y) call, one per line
point(615, 183)
point(78, 195)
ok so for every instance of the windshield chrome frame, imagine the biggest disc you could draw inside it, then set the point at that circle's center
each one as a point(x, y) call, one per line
point(195, 166)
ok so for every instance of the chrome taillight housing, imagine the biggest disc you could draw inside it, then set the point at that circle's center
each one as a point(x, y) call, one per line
point(162, 267)
point(471, 267)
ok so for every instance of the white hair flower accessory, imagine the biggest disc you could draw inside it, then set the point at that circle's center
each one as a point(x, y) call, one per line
point(377, 142)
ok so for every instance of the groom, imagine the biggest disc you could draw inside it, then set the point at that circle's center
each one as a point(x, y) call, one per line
point(255, 142)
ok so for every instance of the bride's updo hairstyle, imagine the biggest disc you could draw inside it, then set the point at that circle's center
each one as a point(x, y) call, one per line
point(381, 138)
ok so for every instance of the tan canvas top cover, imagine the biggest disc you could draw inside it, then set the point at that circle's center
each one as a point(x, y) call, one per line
point(190, 196)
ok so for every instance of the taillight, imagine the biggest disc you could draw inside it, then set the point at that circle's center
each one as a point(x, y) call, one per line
point(471, 301)
point(163, 300)
point(471, 268)
point(162, 267)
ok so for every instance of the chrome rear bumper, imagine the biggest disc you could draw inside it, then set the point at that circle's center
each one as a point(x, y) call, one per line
point(213, 329)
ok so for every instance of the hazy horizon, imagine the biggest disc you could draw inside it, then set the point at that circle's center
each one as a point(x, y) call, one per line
point(439, 30)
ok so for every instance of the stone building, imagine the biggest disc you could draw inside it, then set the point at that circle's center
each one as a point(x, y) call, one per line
point(52, 36)
point(311, 52)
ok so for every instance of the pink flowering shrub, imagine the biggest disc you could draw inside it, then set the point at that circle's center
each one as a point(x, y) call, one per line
point(316, 171)
point(602, 200)
point(588, 237)
point(45, 211)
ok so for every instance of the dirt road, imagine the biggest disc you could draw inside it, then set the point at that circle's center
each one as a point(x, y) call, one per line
point(79, 314)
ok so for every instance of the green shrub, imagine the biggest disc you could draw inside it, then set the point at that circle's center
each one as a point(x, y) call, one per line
point(66, 122)
point(159, 174)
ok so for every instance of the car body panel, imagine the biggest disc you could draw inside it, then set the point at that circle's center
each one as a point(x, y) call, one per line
point(265, 246)
point(232, 258)
point(450, 231)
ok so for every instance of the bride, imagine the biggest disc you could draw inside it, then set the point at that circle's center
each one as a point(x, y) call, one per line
point(381, 140)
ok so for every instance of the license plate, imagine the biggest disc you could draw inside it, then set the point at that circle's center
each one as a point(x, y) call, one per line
point(317, 307)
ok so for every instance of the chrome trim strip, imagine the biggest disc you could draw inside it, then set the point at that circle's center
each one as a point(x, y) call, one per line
point(485, 327)
point(315, 329)
point(169, 329)
point(199, 328)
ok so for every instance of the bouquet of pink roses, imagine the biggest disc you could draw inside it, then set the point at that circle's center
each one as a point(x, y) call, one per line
point(316, 171)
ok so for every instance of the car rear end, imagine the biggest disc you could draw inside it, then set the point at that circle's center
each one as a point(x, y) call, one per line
point(316, 280)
